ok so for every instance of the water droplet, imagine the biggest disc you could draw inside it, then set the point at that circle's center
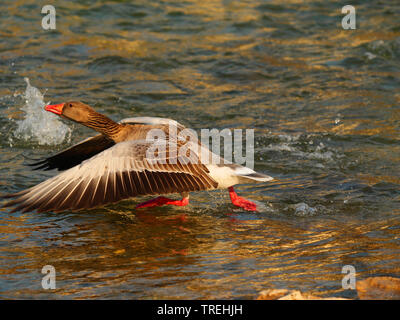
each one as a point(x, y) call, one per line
point(41, 126)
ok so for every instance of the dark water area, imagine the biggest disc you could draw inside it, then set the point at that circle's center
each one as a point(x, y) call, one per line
point(325, 106)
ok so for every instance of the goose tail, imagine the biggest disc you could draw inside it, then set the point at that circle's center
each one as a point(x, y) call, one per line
point(249, 174)
point(256, 176)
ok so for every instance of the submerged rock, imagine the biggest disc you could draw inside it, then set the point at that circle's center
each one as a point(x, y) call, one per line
point(284, 294)
point(374, 288)
point(379, 288)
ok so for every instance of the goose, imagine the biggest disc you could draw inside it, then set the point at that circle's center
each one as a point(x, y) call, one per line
point(115, 165)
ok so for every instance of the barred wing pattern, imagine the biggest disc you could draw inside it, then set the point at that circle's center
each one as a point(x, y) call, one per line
point(89, 147)
point(119, 172)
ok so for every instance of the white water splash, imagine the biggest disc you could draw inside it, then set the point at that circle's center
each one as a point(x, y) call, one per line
point(39, 125)
point(295, 145)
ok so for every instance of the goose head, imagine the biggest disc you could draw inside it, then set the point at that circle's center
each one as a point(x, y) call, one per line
point(74, 110)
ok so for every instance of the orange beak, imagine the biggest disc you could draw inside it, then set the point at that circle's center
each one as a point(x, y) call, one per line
point(55, 108)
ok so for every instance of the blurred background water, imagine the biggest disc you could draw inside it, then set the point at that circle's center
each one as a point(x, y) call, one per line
point(324, 103)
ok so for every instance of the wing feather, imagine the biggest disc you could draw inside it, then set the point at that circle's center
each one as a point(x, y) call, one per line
point(74, 155)
point(119, 172)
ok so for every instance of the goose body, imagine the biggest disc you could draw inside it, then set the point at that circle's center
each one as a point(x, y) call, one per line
point(117, 164)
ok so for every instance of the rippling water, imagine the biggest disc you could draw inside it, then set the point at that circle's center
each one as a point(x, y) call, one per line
point(324, 103)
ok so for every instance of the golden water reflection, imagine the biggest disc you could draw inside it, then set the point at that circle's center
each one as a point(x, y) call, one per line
point(326, 122)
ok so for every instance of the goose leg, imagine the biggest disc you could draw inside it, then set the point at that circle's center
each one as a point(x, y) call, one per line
point(160, 201)
point(241, 202)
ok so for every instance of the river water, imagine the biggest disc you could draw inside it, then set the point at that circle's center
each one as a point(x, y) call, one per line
point(325, 106)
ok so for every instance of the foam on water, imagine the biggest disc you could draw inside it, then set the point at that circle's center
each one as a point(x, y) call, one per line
point(302, 146)
point(39, 125)
point(302, 209)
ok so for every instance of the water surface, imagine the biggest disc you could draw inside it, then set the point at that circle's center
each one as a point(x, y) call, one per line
point(324, 103)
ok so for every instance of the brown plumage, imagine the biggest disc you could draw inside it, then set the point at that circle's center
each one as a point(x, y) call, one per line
point(115, 165)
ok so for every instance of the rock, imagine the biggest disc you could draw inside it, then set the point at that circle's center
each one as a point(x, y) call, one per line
point(379, 288)
point(374, 288)
point(271, 294)
point(284, 294)
point(297, 295)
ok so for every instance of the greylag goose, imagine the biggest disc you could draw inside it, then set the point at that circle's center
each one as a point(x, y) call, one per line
point(115, 165)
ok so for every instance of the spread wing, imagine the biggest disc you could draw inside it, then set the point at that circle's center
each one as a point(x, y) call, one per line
point(88, 148)
point(74, 155)
point(120, 172)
